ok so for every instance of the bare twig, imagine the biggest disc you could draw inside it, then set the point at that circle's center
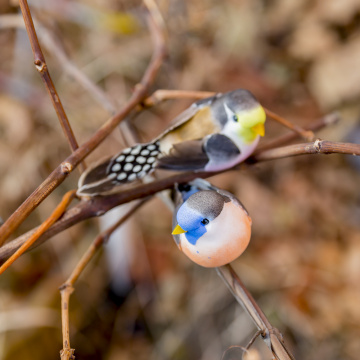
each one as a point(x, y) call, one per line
point(61, 172)
point(317, 147)
point(271, 336)
point(67, 288)
point(59, 210)
point(326, 120)
point(42, 68)
point(97, 206)
point(307, 135)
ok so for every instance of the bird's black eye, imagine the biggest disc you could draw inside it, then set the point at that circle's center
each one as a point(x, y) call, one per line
point(205, 221)
point(235, 118)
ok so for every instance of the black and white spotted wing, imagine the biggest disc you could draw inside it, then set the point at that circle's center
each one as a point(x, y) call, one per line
point(133, 163)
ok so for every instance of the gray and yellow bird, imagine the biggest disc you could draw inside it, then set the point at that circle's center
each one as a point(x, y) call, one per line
point(213, 134)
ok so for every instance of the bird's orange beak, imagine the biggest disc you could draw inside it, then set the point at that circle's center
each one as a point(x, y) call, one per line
point(259, 129)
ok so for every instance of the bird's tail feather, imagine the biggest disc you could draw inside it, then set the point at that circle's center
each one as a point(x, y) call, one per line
point(130, 164)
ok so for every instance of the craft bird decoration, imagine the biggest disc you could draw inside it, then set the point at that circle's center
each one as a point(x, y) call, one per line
point(210, 225)
point(213, 134)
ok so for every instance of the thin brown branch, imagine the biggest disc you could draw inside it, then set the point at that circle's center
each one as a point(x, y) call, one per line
point(42, 68)
point(316, 125)
point(61, 172)
point(97, 206)
point(271, 336)
point(59, 210)
point(307, 135)
point(67, 288)
point(317, 147)
point(66, 353)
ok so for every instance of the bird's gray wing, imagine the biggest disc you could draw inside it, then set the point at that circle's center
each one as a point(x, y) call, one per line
point(220, 148)
point(187, 155)
point(195, 154)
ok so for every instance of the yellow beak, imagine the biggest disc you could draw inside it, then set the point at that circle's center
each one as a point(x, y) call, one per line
point(259, 129)
point(178, 230)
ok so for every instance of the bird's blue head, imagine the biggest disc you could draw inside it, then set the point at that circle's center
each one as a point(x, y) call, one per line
point(197, 212)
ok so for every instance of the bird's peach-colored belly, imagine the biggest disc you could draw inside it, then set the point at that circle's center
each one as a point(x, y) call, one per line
point(227, 239)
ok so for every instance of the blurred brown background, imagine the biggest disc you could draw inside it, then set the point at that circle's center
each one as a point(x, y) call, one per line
point(301, 59)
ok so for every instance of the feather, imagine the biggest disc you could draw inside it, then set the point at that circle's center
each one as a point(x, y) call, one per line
point(188, 154)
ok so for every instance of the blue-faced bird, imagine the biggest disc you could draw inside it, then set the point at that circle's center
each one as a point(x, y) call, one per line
point(210, 225)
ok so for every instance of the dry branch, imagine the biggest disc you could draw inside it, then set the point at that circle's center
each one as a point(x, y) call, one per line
point(67, 288)
point(317, 147)
point(42, 68)
point(59, 210)
point(271, 336)
point(66, 167)
point(99, 205)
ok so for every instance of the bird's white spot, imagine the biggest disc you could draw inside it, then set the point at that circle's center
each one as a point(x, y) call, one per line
point(150, 160)
point(116, 167)
point(111, 176)
point(141, 174)
point(137, 168)
point(128, 167)
point(121, 176)
point(130, 158)
point(151, 147)
point(154, 153)
point(145, 152)
point(120, 158)
point(146, 167)
point(126, 151)
point(141, 160)
point(136, 150)
point(132, 177)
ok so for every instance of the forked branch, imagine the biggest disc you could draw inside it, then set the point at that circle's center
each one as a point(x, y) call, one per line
point(271, 336)
point(66, 167)
point(67, 288)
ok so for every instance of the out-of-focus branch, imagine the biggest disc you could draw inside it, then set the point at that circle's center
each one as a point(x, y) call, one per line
point(52, 44)
point(67, 198)
point(97, 206)
point(42, 68)
point(67, 288)
point(271, 336)
point(61, 172)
